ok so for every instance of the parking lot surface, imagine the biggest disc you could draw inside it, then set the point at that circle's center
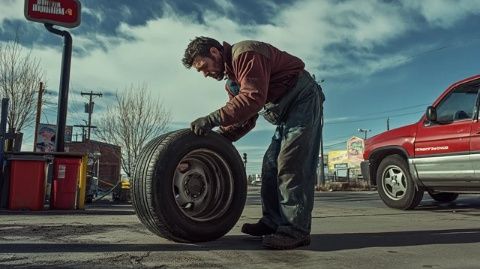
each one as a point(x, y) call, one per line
point(349, 230)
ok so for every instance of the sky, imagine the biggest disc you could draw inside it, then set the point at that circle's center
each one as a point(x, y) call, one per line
point(377, 59)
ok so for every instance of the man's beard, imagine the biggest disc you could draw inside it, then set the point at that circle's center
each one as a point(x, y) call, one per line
point(218, 76)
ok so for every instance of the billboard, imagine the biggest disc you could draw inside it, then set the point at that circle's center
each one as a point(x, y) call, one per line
point(64, 13)
point(355, 147)
point(46, 137)
point(336, 157)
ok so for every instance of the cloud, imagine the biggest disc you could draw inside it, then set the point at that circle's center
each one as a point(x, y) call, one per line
point(333, 38)
point(338, 119)
point(125, 44)
point(443, 13)
point(225, 5)
point(11, 9)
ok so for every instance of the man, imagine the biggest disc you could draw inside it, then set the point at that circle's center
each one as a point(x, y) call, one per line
point(261, 79)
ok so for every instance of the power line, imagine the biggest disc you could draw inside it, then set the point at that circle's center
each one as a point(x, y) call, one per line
point(397, 109)
point(372, 118)
point(341, 137)
point(405, 114)
point(335, 144)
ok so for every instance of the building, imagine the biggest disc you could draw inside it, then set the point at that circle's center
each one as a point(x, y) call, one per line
point(104, 161)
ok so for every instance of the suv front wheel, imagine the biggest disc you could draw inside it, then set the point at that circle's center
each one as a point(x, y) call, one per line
point(395, 185)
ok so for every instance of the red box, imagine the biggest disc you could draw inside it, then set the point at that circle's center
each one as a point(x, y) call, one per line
point(27, 184)
point(65, 181)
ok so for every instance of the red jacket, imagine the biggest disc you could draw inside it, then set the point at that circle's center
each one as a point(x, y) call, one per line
point(257, 73)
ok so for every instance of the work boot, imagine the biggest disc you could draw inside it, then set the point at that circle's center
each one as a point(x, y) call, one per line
point(283, 241)
point(257, 229)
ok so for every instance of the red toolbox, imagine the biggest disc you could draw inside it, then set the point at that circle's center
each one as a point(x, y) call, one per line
point(66, 171)
point(27, 182)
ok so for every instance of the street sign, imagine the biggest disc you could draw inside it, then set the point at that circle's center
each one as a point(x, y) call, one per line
point(64, 13)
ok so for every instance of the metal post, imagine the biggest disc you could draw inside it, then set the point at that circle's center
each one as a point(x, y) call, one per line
point(322, 161)
point(64, 86)
point(3, 129)
point(37, 117)
point(321, 179)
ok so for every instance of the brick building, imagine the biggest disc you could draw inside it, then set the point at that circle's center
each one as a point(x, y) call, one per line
point(104, 160)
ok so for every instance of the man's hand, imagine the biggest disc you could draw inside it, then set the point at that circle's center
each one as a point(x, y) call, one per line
point(202, 125)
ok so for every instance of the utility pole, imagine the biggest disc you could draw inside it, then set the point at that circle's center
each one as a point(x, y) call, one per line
point(39, 113)
point(388, 123)
point(365, 131)
point(76, 136)
point(322, 159)
point(245, 161)
point(89, 109)
point(321, 179)
point(84, 137)
point(83, 130)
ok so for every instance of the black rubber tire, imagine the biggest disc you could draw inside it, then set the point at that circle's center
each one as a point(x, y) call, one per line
point(153, 181)
point(412, 196)
point(444, 197)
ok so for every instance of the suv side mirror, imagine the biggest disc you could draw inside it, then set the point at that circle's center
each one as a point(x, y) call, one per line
point(431, 114)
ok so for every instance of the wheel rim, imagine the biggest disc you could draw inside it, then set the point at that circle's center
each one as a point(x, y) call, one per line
point(203, 185)
point(394, 182)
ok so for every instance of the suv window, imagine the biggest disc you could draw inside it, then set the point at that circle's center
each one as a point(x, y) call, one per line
point(458, 105)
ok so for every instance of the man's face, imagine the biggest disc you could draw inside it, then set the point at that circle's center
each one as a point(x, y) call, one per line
point(212, 66)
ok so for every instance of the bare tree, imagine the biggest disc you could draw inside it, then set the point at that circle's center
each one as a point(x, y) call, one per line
point(134, 119)
point(20, 75)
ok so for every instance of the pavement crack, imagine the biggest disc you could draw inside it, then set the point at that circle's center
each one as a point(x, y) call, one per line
point(135, 260)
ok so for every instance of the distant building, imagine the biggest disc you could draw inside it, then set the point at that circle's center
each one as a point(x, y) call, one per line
point(104, 160)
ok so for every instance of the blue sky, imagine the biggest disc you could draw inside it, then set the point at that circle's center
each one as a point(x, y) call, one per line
point(379, 58)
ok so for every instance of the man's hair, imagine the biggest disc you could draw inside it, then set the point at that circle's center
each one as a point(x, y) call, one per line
point(200, 46)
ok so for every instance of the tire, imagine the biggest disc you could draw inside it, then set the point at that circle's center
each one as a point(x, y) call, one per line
point(189, 188)
point(395, 185)
point(443, 197)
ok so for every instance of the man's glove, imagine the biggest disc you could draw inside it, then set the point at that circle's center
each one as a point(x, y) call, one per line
point(202, 125)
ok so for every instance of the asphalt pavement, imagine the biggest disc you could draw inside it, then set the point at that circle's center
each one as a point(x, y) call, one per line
point(349, 230)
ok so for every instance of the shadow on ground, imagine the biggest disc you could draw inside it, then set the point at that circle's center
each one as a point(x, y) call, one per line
point(327, 242)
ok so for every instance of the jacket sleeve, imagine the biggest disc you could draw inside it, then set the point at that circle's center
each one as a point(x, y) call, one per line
point(237, 131)
point(252, 71)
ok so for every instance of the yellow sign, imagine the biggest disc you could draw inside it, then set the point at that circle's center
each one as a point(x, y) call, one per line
point(336, 157)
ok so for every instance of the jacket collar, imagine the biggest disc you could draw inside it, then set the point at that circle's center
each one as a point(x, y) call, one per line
point(227, 57)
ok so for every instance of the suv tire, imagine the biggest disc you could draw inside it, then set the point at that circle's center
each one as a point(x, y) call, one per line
point(395, 185)
point(189, 188)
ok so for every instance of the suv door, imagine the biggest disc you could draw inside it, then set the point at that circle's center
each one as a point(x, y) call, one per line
point(475, 139)
point(442, 148)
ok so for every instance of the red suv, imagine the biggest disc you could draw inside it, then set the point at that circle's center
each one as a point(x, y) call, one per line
point(439, 154)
